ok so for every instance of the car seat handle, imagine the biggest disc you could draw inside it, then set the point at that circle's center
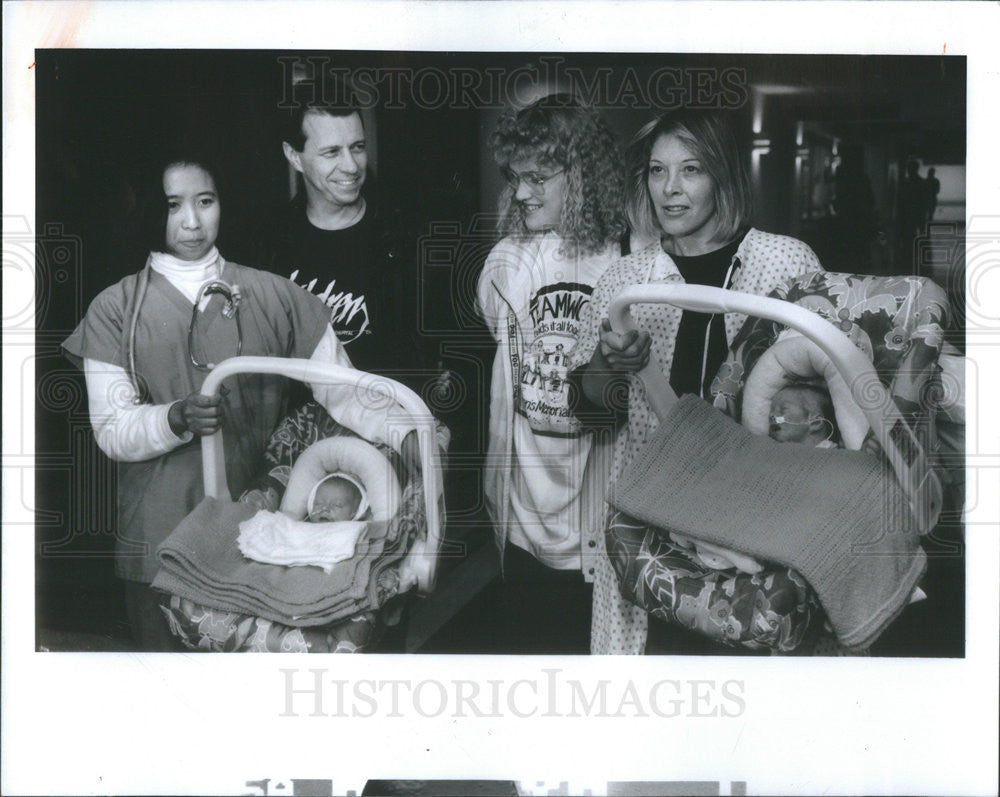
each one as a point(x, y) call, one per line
point(911, 465)
point(419, 568)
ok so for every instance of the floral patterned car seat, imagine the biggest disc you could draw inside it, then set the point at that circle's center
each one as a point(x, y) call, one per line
point(898, 323)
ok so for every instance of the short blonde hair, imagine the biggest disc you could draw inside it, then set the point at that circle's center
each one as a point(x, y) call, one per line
point(710, 135)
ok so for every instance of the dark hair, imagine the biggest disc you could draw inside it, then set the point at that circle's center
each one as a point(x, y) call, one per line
point(343, 103)
point(153, 207)
point(710, 134)
point(559, 131)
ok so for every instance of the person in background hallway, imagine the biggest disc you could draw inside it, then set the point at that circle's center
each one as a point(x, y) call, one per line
point(912, 215)
point(933, 189)
point(856, 216)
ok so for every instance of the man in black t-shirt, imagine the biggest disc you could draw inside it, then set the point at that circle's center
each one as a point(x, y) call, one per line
point(357, 258)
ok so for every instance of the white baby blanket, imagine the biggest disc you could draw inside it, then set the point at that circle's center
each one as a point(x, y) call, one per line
point(274, 538)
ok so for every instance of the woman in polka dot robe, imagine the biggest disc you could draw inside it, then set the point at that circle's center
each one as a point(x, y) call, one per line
point(688, 188)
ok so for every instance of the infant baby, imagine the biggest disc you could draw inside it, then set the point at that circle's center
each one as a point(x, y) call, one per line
point(800, 413)
point(276, 538)
point(803, 413)
point(335, 497)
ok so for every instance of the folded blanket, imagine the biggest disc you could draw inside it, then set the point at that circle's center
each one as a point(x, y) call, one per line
point(837, 517)
point(201, 561)
point(275, 539)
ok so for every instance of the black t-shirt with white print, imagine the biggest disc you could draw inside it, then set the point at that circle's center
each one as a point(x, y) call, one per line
point(362, 278)
point(690, 354)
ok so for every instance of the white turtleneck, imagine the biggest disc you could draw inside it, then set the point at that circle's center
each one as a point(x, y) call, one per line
point(130, 432)
point(188, 275)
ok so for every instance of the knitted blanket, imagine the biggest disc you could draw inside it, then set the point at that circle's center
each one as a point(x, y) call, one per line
point(837, 517)
point(201, 562)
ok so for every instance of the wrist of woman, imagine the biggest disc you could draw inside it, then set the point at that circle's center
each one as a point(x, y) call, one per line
point(175, 418)
point(590, 413)
point(598, 362)
point(595, 378)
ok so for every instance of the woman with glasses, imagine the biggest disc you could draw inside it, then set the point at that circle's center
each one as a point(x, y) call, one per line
point(146, 345)
point(562, 219)
point(689, 189)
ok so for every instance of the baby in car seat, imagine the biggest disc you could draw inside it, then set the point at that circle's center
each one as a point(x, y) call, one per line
point(337, 496)
point(800, 413)
point(803, 413)
point(336, 486)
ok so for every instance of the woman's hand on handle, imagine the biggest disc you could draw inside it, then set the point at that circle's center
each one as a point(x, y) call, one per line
point(614, 356)
point(198, 414)
point(626, 352)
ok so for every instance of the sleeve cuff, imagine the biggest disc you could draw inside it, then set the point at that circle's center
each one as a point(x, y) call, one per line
point(163, 430)
point(586, 411)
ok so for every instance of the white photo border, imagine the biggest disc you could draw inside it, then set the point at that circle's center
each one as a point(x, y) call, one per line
point(114, 723)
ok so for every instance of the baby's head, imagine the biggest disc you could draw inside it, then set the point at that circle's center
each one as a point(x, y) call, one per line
point(802, 413)
point(335, 497)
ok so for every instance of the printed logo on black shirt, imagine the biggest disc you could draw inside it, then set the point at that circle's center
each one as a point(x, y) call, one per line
point(348, 313)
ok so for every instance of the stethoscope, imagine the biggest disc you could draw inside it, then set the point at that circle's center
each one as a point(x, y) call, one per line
point(231, 309)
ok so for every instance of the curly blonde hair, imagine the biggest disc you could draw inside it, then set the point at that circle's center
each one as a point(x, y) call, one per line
point(560, 132)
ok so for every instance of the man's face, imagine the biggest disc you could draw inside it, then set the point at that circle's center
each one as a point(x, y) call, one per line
point(333, 160)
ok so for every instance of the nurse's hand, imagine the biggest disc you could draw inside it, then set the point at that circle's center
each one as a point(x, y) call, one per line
point(198, 414)
point(627, 352)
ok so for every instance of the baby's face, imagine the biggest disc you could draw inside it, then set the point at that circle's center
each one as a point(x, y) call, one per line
point(336, 499)
point(792, 424)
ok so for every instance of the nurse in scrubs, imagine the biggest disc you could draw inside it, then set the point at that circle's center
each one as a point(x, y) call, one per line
point(146, 345)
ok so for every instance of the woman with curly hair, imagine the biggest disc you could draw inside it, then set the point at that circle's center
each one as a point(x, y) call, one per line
point(563, 221)
point(688, 188)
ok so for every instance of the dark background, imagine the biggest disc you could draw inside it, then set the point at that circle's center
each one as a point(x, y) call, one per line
point(102, 117)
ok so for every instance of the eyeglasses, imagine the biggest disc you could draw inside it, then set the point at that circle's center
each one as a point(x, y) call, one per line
point(231, 294)
point(534, 180)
